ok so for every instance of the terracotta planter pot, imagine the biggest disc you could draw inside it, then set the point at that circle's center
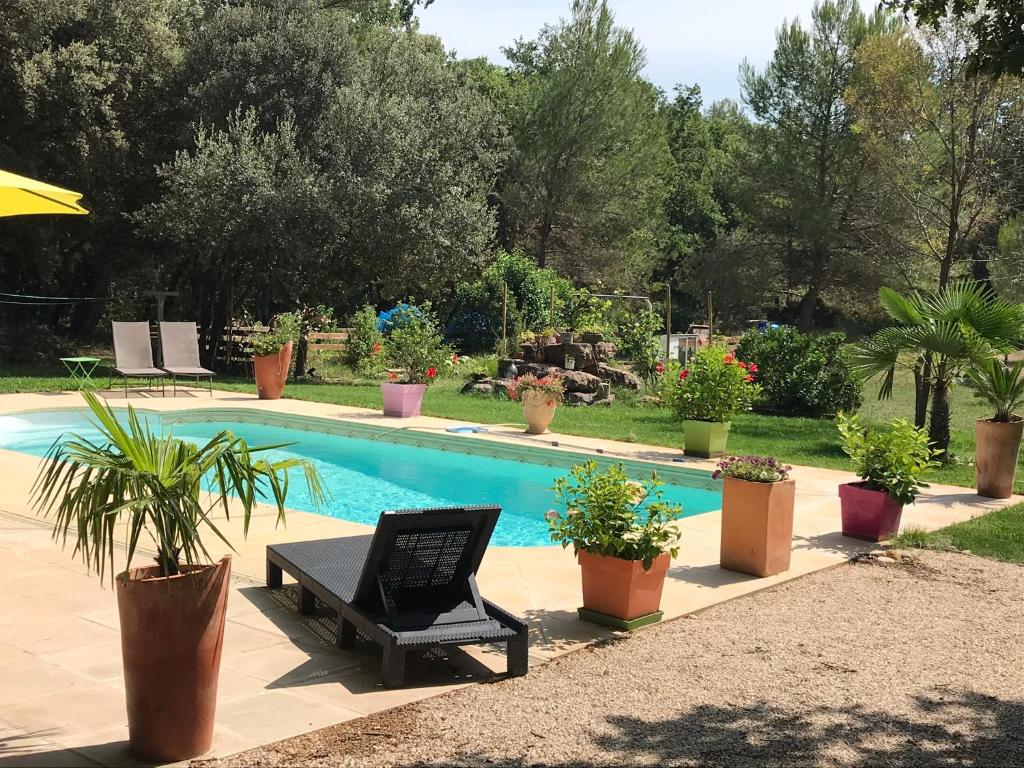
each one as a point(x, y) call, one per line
point(271, 372)
point(868, 515)
point(996, 447)
point(757, 526)
point(705, 439)
point(538, 410)
point(402, 400)
point(622, 588)
point(172, 632)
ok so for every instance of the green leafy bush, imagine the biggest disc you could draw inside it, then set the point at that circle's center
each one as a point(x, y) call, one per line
point(416, 347)
point(635, 336)
point(284, 327)
point(892, 461)
point(365, 347)
point(609, 514)
point(801, 374)
point(714, 387)
point(998, 385)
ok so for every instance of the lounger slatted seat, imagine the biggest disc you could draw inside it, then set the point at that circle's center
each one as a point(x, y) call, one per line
point(410, 585)
point(179, 343)
point(133, 354)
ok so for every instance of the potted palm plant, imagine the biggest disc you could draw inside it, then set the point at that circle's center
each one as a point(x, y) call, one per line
point(540, 396)
point(171, 613)
point(757, 515)
point(272, 355)
point(415, 349)
point(997, 440)
point(890, 464)
point(623, 536)
point(707, 395)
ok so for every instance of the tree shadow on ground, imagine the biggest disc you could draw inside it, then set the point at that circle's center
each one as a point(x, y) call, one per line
point(946, 729)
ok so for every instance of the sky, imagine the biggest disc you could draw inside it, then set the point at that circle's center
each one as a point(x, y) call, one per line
point(687, 41)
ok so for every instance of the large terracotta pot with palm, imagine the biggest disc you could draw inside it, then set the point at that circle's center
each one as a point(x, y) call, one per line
point(272, 355)
point(624, 536)
point(415, 350)
point(171, 613)
point(757, 515)
point(891, 464)
point(707, 395)
point(540, 396)
point(997, 440)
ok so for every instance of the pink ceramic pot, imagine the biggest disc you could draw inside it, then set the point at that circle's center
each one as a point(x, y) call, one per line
point(402, 400)
point(870, 515)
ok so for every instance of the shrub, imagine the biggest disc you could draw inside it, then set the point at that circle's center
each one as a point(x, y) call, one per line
point(891, 461)
point(714, 387)
point(365, 347)
point(608, 514)
point(283, 328)
point(801, 374)
point(756, 469)
point(415, 345)
point(635, 333)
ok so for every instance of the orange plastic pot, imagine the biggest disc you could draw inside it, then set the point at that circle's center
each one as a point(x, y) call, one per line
point(622, 588)
point(996, 446)
point(172, 633)
point(757, 526)
point(271, 372)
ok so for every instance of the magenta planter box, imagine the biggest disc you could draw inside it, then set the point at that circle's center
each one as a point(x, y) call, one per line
point(403, 400)
point(870, 515)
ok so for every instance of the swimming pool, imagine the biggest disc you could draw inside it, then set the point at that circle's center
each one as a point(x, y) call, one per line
point(367, 469)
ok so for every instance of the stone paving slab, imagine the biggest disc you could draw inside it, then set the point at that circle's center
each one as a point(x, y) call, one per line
point(61, 698)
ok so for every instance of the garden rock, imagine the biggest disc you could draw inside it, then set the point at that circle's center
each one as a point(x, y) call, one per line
point(604, 351)
point(537, 369)
point(580, 382)
point(586, 398)
point(478, 387)
point(618, 377)
point(583, 354)
point(500, 386)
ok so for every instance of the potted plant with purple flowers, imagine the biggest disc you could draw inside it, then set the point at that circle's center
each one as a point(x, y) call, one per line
point(757, 514)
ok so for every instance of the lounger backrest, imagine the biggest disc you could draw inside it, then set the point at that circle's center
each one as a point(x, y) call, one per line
point(179, 343)
point(132, 345)
point(424, 561)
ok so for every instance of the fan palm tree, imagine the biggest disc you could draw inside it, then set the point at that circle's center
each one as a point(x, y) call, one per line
point(939, 335)
point(156, 482)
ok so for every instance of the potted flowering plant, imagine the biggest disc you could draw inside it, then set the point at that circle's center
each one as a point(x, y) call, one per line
point(707, 395)
point(757, 515)
point(623, 535)
point(997, 440)
point(272, 355)
point(890, 465)
point(415, 348)
point(540, 396)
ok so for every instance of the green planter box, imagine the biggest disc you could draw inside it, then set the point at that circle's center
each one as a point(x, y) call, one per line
point(705, 439)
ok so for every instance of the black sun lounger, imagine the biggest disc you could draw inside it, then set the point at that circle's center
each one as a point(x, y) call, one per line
point(411, 585)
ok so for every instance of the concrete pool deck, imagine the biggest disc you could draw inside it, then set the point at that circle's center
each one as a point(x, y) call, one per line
point(61, 699)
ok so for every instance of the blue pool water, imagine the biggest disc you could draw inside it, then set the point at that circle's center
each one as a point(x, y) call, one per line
point(364, 476)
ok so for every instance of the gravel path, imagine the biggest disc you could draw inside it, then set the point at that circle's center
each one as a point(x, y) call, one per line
point(867, 664)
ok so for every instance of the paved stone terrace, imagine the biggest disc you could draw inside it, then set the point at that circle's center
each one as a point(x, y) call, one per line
point(61, 698)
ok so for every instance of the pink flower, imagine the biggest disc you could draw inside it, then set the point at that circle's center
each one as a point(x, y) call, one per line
point(377, 347)
point(659, 368)
point(752, 367)
point(683, 374)
point(551, 515)
point(455, 358)
point(748, 377)
point(729, 358)
point(742, 365)
point(392, 375)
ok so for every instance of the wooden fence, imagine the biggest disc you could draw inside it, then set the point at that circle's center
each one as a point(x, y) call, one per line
point(235, 350)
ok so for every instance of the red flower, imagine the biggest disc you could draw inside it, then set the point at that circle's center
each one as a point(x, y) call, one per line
point(748, 377)
point(752, 367)
point(659, 368)
point(455, 359)
point(377, 347)
point(742, 365)
point(431, 372)
point(683, 374)
point(392, 375)
point(729, 358)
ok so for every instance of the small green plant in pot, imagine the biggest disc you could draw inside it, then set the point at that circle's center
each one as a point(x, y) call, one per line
point(172, 613)
point(272, 354)
point(891, 464)
point(707, 395)
point(997, 440)
point(416, 352)
point(624, 536)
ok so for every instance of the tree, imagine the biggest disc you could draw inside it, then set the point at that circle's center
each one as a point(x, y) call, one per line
point(587, 177)
point(998, 26)
point(808, 159)
point(957, 326)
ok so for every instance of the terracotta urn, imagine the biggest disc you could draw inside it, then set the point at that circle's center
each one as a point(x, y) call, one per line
point(622, 588)
point(996, 447)
point(172, 633)
point(757, 526)
point(538, 410)
point(271, 372)
point(867, 514)
point(402, 400)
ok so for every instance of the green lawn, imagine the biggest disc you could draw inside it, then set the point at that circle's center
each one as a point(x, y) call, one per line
point(999, 535)
point(799, 441)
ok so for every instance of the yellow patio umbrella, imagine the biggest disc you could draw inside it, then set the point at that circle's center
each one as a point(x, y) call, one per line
point(20, 195)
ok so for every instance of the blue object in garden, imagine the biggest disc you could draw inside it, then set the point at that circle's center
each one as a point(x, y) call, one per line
point(397, 317)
